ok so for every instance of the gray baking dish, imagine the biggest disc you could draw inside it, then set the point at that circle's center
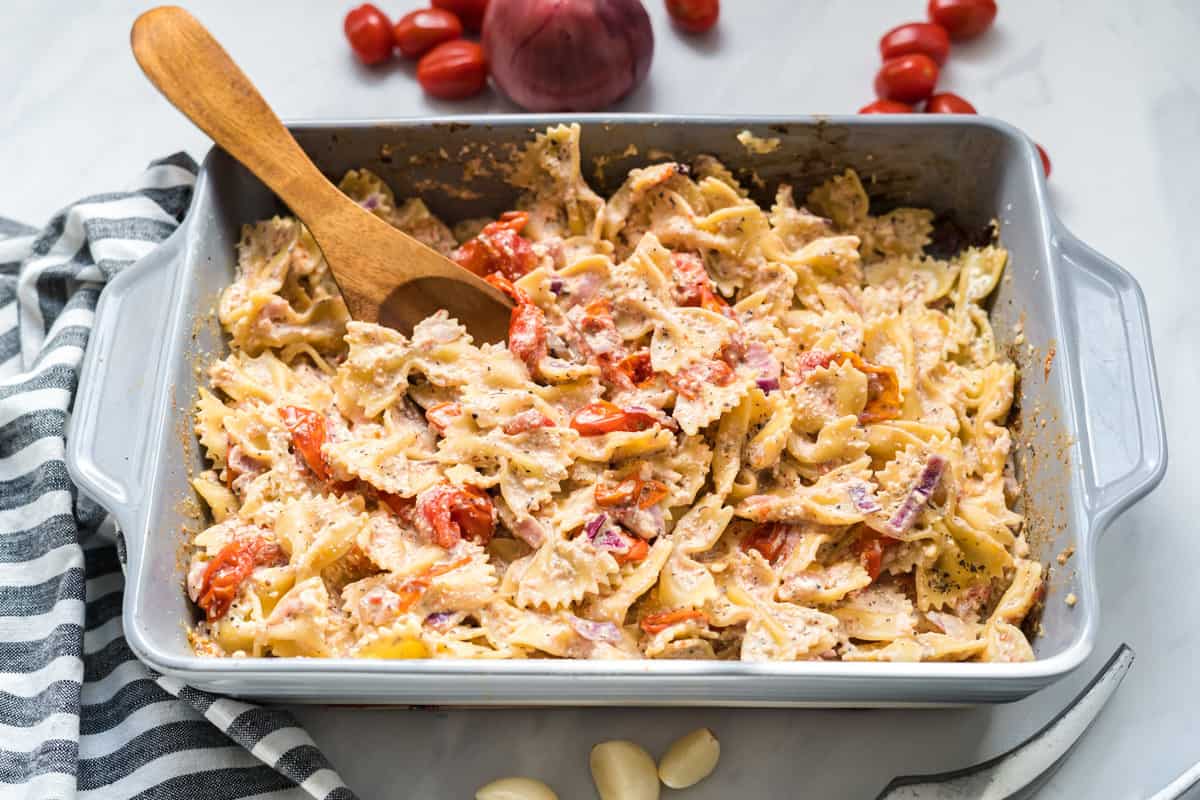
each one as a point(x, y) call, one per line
point(1090, 429)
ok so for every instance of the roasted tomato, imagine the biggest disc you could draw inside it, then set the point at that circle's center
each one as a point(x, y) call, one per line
point(224, 575)
point(631, 491)
point(308, 434)
point(948, 103)
point(527, 335)
point(883, 385)
point(636, 367)
point(412, 589)
point(886, 107)
point(499, 247)
point(963, 19)
point(657, 623)
point(908, 79)
point(452, 513)
point(691, 380)
point(768, 539)
point(870, 551)
point(916, 37)
point(637, 551)
point(442, 415)
point(370, 34)
point(505, 285)
point(693, 287)
point(603, 417)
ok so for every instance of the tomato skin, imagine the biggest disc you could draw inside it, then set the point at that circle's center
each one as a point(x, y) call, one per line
point(948, 103)
point(602, 417)
point(370, 34)
point(908, 79)
point(224, 575)
point(886, 107)
point(441, 415)
point(637, 367)
point(870, 551)
point(1045, 158)
point(527, 421)
point(420, 31)
point(630, 491)
point(469, 11)
point(963, 19)
point(694, 16)
point(453, 70)
point(308, 434)
point(452, 513)
point(659, 622)
point(768, 539)
point(527, 335)
point(916, 37)
point(499, 247)
point(638, 550)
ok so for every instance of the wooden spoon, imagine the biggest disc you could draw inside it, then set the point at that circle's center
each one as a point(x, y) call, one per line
point(385, 275)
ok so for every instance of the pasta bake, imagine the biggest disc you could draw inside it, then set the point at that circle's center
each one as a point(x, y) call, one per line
point(716, 431)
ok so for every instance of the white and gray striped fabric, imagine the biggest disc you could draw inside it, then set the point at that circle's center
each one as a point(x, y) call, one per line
point(80, 716)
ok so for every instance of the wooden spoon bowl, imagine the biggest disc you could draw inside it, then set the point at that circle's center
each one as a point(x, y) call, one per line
point(385, 275)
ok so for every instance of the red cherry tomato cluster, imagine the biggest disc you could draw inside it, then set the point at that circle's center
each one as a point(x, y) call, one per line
point(913, 54)
point(449, 67)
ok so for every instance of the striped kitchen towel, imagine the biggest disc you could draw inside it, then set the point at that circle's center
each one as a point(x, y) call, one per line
point(80, 716)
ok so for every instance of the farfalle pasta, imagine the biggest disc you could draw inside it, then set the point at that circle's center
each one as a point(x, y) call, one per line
point(716, 431)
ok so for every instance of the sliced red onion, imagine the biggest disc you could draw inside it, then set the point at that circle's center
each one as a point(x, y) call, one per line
point(596, 631)
point(906, 515)
point(371, 203)
point(863, 500)
point(768, 385)
point(594, 527)
point(556, 286)
point(439, 619)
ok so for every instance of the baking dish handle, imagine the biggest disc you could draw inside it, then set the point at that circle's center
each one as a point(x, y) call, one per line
point(1122, 435)
point(111, 419)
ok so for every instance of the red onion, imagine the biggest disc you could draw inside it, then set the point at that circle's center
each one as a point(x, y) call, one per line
point(863, 501)
point(593, 528)
point(768, 385)
point(567, 55)
point(906, 515)
point(556, 286)
point(596, 631)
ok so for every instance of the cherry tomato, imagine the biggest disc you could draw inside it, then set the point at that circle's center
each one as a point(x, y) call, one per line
point(637, 367)
point(505, 285)
point(527, 335)
point(453, 513)
point(886, 107)
point(637, 550)
point(963, 19)
point(308, 434)
point(694, 16)
point(657, 623)
point(1045, 158)
point(453, 70)
point(948, 103)
point(421, 30)
point(469, 11)
point(692, 379)
point(907, 78)
point(441, 415)
point(412, 589)
point(631, 491)
point(870, 551)
point(370, 34)
point(224, 575)
point(499, 247)
point(768, 539)
point(603, 417)
point(916, 37)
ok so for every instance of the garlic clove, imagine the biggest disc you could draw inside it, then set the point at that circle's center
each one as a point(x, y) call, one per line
point(624, 771)
point(690, 759)
point(516, 788)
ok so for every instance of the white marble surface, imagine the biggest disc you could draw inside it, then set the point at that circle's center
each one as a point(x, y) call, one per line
point(1113, 91)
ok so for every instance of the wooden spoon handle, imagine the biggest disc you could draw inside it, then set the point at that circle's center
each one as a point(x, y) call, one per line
point(194, 72)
